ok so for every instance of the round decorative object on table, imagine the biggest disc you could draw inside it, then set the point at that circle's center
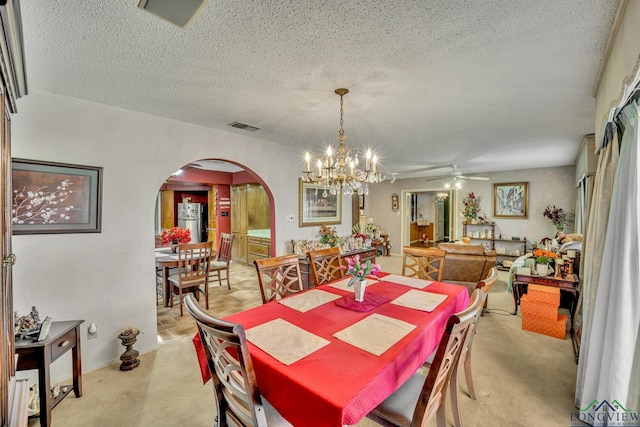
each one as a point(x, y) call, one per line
point(358, 289)
point(129, 358)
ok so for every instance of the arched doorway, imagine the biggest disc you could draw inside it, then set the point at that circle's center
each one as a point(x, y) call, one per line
point(217, 189)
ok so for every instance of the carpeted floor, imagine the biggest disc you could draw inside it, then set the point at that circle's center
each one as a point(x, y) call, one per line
point(521, 378)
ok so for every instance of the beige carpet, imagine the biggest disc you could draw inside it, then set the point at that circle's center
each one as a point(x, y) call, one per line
point(521, 379)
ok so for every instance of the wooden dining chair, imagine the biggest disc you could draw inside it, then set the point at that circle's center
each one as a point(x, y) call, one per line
point(421, 398)
point(223, 258)
point(464, 362)
point(423, 263)
point(278, 277)
point(235, 387)
point(192, 272)
point(325, 265)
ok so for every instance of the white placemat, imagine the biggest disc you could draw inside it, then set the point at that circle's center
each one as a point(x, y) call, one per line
point(309, 300)
point(418, 300)
point(414, 282)
point(376, 333)
point(284, 341)
point(342, 284)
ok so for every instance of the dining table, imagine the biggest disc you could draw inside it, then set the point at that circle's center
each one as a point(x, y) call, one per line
point(323, 359)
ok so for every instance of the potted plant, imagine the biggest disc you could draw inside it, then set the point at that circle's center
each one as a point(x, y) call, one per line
point(359, 272)
point(328, 236)
point(175, 236)
point(471, 208)
point(556, 215)
point(543, 259)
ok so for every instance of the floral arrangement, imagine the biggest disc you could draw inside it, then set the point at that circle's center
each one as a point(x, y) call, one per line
point(544, 257)
point(556, 215)
point(176, 235)
point(471, 206)
point(359, 270)
point(328, 236)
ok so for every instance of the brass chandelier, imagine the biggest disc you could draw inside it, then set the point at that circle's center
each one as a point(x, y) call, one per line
point(338, 170)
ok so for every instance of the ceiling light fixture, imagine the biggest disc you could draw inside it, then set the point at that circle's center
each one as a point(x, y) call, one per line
point(441, 197)
point(337, 170)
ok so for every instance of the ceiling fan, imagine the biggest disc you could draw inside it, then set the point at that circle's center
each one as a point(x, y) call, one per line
point(455, 178)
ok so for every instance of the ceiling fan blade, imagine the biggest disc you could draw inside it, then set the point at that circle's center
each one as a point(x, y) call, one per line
point(424, 169)
point(475, 178)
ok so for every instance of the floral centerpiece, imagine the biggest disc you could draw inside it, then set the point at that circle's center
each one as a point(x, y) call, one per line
point(556, 215)
point(359, 271)
point(543, 259)
point(328, 236)
point(471, 207)
point(175, 235)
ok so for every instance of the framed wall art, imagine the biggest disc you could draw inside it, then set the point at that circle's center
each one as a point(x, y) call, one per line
point(50, 197)
point(510, 200)
point(317, 206)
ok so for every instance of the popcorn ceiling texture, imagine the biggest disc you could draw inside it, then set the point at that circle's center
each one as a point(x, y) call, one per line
point(459, 80)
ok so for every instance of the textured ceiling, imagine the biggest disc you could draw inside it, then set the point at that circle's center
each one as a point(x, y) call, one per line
point(487, 85)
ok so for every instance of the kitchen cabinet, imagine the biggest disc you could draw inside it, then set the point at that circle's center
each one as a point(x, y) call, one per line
point(258, 248)
point(250, 210)
point(258, 215)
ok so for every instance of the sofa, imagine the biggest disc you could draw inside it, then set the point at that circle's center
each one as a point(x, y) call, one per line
point(466, 264)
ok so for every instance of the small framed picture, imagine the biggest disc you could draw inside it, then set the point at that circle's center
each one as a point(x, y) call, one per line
point(510, 200)
point(317, 206)
point(50, 197)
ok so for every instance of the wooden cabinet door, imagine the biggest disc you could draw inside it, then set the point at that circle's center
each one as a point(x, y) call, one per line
point(257, 208)
point(238, 209)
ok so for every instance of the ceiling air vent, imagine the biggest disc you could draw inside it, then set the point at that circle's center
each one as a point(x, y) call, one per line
point(178, 12)
point(244, 126)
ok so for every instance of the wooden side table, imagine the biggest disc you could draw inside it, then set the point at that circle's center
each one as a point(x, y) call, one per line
point(63, 336)
point(568, 283)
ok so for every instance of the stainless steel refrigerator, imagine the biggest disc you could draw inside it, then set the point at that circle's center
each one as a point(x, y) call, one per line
point(193, 216)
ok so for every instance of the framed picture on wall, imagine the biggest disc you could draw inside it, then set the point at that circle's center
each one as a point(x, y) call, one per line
point(50, 197)
point(317, 206)
point(361, 201)
point(510, 200)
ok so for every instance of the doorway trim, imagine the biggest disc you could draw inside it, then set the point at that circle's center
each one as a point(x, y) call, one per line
point(405, 211)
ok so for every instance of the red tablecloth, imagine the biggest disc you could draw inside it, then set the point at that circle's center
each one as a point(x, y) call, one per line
point(339, 384)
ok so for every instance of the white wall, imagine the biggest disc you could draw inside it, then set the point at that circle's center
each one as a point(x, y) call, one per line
point(108, 278)
point(547, 186)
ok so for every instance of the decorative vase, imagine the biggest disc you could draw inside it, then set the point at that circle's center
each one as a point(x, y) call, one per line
point(542, 269)
point(358, 289)
point(130, 357)
point(560, 229)
point(174, 246)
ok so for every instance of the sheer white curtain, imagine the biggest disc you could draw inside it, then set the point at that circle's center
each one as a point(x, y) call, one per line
point(610, 346)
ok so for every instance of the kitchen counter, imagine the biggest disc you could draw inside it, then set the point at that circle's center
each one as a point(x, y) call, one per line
point(264, 233)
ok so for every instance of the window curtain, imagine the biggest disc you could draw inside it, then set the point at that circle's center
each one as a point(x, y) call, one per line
point(610, 347)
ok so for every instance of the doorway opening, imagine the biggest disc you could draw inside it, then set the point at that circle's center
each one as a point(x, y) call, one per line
point(210, 197)
point(428, 216)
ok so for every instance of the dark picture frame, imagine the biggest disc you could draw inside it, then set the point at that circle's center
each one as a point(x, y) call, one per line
point(317, 206)
point(511, 200)
point(361, 201)
point(52, 198)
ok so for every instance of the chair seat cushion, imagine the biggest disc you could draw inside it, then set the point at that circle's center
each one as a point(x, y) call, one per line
point(399, 407)
point(217, 264)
